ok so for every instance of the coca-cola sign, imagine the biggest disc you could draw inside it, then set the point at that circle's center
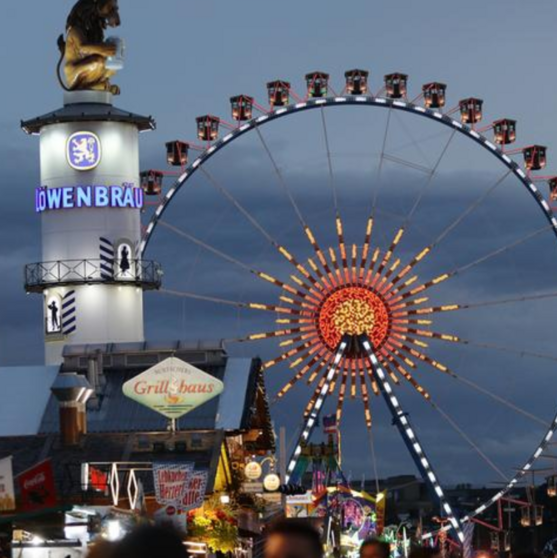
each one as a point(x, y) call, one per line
point(37, 489)
point(173, 388)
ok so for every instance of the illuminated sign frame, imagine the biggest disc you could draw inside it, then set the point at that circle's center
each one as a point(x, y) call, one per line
point(86, 167)
point(126, 196)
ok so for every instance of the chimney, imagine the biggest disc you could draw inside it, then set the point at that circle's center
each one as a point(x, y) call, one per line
point(72, 392)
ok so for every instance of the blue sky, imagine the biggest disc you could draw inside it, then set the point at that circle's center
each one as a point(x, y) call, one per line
point(186, 58)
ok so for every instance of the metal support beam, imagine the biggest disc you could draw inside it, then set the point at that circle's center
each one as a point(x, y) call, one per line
point(401, 420)
point(311, 419)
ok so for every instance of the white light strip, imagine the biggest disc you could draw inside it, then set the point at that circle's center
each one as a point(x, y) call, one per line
point(314, 412)
point(412, 439)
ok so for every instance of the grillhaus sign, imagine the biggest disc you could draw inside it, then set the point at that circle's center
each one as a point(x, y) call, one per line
point(173, 388)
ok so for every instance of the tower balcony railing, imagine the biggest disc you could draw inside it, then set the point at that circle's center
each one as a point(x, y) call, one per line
point(144, 274)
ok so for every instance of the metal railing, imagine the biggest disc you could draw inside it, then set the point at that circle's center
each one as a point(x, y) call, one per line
point(143, 273)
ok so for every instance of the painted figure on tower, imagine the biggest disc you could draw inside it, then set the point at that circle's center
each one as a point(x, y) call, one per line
point(90, 60)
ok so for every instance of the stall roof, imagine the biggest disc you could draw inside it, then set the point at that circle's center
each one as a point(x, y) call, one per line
point(24, 394)
point(231, 410)
point(117, 413)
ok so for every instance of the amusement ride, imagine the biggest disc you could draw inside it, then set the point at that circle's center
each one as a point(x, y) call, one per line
point(367, 299)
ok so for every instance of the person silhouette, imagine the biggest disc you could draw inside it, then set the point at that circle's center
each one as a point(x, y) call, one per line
point(125, 260)
point(54, 322)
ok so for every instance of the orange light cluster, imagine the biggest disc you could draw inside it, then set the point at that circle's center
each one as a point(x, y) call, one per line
point(352, 310)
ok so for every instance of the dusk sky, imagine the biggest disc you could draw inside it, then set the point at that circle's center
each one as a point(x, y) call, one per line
point(185, 59)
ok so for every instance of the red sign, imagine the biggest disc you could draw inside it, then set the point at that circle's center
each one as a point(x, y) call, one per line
point(98, 480)
point(37, 489)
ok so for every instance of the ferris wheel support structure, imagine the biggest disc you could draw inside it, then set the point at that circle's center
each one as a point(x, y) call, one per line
point(313, 415)
point(334, 362)
point(402, 422)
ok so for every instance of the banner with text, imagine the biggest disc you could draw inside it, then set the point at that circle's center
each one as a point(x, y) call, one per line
point(177, 484)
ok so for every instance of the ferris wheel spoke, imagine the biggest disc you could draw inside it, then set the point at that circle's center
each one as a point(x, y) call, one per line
point(502, 250)
point(429, 180)
point(408, 218)
point(317, 361)
point(341, 393)
point(458, 271)
point(470, 442)
point(353, 379)
point(413, 142)
point(330, 163)
point(421, 255)
point(381, 161)
point(246, 305)
point(483, 304)
point(414, 353)
point(391, 366)
point(270, 335)
point(195, 296)
point(475, 205)
point(307, 230)
point(407, 164)
point(391, 360)
point(365, 395)
point(288, 354)
point(499, 348)
point(261, 275)
point(501, 400)
point(254, 222)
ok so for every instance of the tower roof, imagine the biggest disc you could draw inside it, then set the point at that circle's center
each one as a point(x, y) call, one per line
point(88, 106)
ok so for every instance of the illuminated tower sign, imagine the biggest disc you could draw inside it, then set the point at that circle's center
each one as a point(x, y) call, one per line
point(89, 201)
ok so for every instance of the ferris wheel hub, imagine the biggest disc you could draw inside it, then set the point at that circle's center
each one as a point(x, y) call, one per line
point(353, 310)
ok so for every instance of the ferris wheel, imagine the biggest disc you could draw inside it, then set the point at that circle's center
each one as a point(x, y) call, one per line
point(409, 257)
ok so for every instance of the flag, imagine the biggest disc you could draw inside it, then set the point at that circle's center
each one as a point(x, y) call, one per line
point(330, 424)
point(37, 487)
point(7, 493)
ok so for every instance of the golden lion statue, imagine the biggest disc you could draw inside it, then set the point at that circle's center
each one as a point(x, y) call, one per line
point(85, 51)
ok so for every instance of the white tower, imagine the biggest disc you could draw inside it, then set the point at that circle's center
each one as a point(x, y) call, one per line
point(89, 200)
